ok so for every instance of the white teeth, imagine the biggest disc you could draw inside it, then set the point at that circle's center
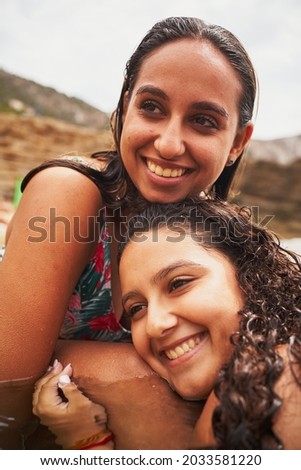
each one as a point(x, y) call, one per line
point(158, 171)
point(183, 348)
point(173, 355)
point(186, 347)
point(179, 351)
point(165, 172)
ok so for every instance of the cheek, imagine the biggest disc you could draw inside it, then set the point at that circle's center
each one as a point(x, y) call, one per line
point(212, 154)
point(129, 142)
point(136, 132)
point(140, 339)
point(214, 164)
point(221, 332)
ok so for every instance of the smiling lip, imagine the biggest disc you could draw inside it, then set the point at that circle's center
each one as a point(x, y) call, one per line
point(165, 172)
point(185, 349)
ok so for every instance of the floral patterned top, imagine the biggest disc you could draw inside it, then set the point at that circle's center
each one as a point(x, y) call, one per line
point(90, 312)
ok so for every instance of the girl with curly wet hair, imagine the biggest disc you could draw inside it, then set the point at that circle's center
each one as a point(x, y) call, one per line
point(182, 123)
point(215, 305)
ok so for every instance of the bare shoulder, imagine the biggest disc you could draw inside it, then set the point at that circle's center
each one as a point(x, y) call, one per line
point(63, 180)
point(57, 191)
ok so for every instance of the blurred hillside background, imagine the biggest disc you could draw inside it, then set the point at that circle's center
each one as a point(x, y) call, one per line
point(38, 123)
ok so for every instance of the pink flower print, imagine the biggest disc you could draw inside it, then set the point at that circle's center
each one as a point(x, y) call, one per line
point(71, 317)
point(98, 258)
point(107, 273)
point(75, 303)
point(107, 322)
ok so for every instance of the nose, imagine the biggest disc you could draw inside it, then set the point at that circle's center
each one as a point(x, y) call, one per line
point(160, 320)
point(169, 143)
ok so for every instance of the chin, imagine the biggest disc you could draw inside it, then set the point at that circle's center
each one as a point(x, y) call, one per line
point(193, 397)
point(190, 395)
point(162, 197)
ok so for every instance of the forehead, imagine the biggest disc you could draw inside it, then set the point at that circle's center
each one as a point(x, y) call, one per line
point(150, 251)
point(193, 61)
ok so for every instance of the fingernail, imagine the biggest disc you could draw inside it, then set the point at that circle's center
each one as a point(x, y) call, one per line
point(64, 380)
point(55, 363)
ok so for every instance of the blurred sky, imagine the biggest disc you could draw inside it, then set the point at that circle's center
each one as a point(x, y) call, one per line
point(80, 47)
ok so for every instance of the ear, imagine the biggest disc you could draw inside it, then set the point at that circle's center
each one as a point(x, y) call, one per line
point(241, 139)
point(125, 104)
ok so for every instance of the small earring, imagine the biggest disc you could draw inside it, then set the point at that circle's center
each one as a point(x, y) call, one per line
point(230, 162)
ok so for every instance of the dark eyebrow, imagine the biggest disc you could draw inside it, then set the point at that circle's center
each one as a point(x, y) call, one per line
point(198, 106)
point(161, 275)
point(153, 90)
point(128, 296)
point(209, 106)
point(172, 267)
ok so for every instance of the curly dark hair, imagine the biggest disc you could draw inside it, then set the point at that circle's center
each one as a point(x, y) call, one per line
point(270, 277)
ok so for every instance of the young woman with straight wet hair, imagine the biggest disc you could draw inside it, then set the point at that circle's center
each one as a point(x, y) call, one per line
point(182, 123)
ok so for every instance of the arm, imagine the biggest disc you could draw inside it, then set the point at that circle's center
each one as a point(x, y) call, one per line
point(38, 275)
point(143, 412)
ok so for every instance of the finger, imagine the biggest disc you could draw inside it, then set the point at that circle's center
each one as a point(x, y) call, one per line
point(81, 408)
point(72, 393)
point(52, 371)
point(77, 400)
point(48, 395)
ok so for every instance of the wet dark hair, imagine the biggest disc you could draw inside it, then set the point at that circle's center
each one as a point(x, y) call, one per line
point(175, 28)
point(270, 278)
point(114, 182)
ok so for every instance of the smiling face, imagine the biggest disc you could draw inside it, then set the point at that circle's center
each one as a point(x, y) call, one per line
point(184, 304)
point(180, 123)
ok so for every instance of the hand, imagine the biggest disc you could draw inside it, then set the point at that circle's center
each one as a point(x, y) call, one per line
point(61, 407)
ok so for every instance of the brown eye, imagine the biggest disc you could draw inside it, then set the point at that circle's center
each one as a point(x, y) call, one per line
point(205, 121)
point(134, 309)
point(177, 283)
point(150, 107)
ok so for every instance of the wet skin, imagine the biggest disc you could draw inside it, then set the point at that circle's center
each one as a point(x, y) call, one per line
point(181, 121)
point(184, 305)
